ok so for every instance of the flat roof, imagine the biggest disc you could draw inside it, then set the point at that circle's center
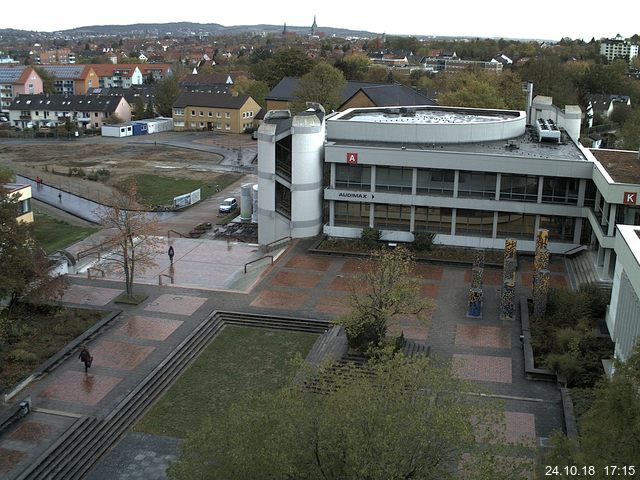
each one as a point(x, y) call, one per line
point(14, 187)
point(622, 165)
point(427, 115)
point(525, 146)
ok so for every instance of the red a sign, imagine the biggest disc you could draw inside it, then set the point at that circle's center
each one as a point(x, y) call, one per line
point(630, 198)
point(352, 158)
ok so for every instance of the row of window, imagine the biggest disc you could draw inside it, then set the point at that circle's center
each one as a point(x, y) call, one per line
point(467, 222)
point(470, 184)
point(180, 111)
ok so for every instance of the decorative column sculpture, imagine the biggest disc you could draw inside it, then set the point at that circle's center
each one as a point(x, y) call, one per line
point(508, 279)
point(541, 273)
point(541, 293)
point(475, 292)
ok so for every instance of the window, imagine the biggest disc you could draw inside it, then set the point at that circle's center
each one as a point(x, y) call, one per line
point(433, 219)
point(435, 182)
point(201, 124)
point(218, 115)
point(560, 228)
point(218, 126)
point(351, 214)
point(392, 217)
point(193, 124)
point(560, 190)
point(516, 225)
point(95, 114)
point(394, 179)
point(24, 206)
point(227, 115)
point(353, 177)
point(178, 111)
point(177, 123)
point(227, 126)
point(210, 114)
point(474, 222)
point(477, 184)
point(523, 188)
point(193, 112)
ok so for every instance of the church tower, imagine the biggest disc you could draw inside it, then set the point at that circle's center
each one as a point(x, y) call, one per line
point(314, 27)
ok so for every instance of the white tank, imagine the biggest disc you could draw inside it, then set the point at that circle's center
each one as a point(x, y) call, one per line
point(246, 206)
point(254, 195)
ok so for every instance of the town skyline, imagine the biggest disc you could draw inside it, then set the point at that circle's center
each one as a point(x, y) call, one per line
point(492, 20)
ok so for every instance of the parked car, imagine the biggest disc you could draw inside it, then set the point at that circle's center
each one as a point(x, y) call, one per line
point(228, 205)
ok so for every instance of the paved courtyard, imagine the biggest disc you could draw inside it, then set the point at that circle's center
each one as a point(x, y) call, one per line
point(485, 351)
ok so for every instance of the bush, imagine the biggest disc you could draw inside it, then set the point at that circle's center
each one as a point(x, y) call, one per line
point(423, 241)
point(77, 172)
point(370, 237)
point(99, 175)
point(22, 356)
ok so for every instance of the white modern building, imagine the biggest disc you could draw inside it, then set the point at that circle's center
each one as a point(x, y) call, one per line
point(623, 313)
point(618, 47)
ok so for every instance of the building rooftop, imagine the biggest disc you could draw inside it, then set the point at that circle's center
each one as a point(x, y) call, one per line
point(622, 165)
point(420, 115)
point(525, 146)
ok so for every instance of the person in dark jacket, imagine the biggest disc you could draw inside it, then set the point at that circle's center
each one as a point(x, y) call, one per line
point(86, 358)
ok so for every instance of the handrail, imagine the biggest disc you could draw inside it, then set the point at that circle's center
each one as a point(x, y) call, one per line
point(574, 250)
point(266, 247)
point(88, 253)
point(256, 260)
point(96, 269)
point(174, 231)
point(170, 277)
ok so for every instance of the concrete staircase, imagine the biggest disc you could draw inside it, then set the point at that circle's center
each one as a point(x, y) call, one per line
point(582, 272)
point(73, 454)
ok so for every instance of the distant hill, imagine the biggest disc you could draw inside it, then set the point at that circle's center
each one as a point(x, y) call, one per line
point(189, 28)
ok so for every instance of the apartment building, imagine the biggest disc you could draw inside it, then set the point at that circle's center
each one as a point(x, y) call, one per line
point(16, 81)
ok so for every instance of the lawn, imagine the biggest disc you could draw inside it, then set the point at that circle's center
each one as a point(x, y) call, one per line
point(240, 360)
point(161, 190)
point(53, 234)
point(40, 332)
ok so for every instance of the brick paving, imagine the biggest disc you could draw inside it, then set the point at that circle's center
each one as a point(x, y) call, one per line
point(488, 350)
point(76, 387)
point(149, 328)
point(30, 431)
point(176, 304)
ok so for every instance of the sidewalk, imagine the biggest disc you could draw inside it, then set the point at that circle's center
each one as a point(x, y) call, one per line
point(488, 351)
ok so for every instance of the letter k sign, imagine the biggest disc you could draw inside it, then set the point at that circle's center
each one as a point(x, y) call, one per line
point(630, 198)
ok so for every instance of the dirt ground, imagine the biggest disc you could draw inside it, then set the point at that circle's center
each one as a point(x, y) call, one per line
point(53, 161)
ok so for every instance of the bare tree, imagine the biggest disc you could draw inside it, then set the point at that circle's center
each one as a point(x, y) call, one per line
point(130, 239)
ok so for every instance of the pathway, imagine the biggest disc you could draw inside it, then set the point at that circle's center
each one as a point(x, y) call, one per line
point(488, 351)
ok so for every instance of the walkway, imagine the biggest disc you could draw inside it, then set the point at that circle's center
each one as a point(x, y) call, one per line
point(488, 352)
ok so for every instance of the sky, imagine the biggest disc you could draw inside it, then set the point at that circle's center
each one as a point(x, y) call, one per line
point(550, 20)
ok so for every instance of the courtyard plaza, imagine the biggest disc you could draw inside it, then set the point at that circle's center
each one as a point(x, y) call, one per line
point(487, 351)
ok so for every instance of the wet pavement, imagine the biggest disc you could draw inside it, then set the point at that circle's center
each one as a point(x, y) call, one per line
point(486, 351)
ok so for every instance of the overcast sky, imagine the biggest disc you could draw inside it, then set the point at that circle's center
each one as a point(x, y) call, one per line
point(483, 18)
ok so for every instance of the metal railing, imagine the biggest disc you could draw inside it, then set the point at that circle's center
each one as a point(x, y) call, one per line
point(257, 260)
point(170, 277)
point(267, 247)
point(90, 269)
point(176, 232)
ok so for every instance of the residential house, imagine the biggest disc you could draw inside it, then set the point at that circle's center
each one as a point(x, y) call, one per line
point(354, 94)
point(22, 193)
point(212, 111)
point(502, 58)
point(215, 82)
point(73, 79)
point(58, 55)
point(84, 111)
point(118, 75)
point(15, 81)
point(131, 95)
point(157, 71)
point(604, 105)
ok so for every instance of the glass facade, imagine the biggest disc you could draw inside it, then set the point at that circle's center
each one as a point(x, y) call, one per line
point(516, 225)
point(435, 182)
point(560, 228)
point(349, 214)
point(560, 190)
point(392, 217)
point(477, 223)
point(394, 179)
point(523, 188)
point(433, 220)
point(357, 177)
point(477, 185)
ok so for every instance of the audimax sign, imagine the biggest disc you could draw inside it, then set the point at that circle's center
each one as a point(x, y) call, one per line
point(359, 195)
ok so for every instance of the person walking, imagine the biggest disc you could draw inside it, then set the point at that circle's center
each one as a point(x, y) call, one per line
point(86, 358)
point(171, 253)
point(60, 197)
